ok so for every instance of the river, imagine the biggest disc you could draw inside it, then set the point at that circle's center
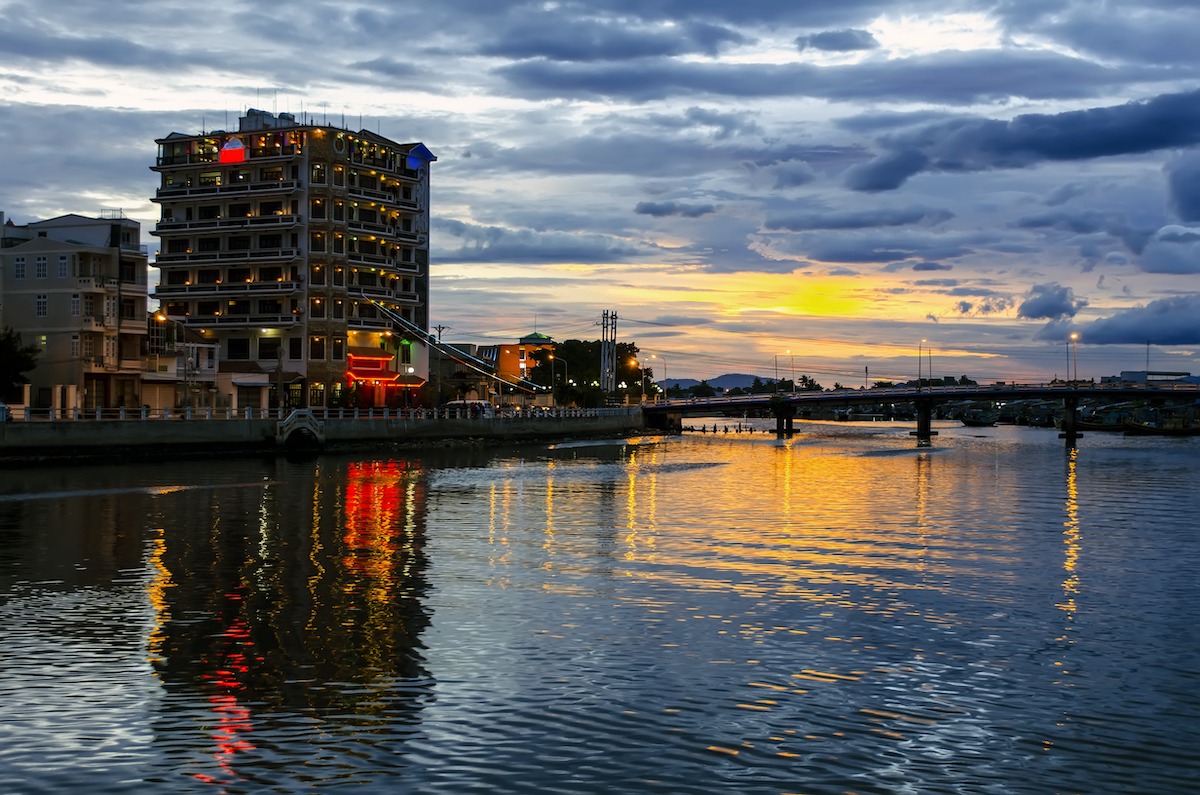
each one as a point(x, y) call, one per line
point(838, 612)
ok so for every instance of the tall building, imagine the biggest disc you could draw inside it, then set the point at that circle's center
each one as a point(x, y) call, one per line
point(76, 287)
point(302, 251)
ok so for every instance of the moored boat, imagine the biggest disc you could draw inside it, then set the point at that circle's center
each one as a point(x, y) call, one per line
point(1167, 427)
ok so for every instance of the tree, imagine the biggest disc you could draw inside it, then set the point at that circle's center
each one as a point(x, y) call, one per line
point(15, 360)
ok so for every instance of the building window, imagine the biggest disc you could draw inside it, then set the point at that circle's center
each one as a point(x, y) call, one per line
point(316, 395)
point(339, 277)
point(316, 209)
point(74, 346)
point(339, 349)
point(18, 267)
point(316, 275)
point(238, 348)
point(318, 173)
point(89, 306)
point(75, 304)
point(316, 308)
point(270, 306)
point(89, 347)
point(406, 353)
point(296, 348)
point(316, 349)
point(339, 244)
point(316, 242)
point(40, 305)
point(339, 173)
point(269, 348)
point(339, 211)
point(339, 310)
point(39, 268)
point(63, 269)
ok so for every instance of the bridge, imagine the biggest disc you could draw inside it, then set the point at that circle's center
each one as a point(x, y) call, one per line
point(784, 406)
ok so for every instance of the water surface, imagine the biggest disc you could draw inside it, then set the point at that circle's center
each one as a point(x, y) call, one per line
point(837, 612)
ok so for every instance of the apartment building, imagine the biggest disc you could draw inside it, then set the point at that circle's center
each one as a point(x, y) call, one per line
point(76, 287)
point(295, 247)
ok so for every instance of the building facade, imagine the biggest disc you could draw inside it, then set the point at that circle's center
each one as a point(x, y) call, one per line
point(76, 287)
point(293, 247)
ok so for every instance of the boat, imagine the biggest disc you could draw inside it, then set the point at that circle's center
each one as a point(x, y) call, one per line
point(1168, 427)
point(977, 418)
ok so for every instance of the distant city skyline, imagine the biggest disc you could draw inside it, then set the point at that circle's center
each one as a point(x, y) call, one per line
point(834, 186)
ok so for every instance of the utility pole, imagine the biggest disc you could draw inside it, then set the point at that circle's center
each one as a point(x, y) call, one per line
point(608, 351)
point(437, 372)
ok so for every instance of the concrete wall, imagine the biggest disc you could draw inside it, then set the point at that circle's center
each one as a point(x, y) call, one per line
point(91, 438)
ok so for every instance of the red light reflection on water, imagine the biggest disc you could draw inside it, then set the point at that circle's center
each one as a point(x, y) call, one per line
point(233, 720)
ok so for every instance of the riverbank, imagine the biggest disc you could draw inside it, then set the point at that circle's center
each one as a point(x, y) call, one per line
point(141, 437)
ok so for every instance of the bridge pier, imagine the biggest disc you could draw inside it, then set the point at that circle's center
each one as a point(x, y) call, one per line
point(1069, 432)
point(924, 431)
point(785, 418)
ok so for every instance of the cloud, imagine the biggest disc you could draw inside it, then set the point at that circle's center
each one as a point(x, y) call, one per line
point(847, 40)
point(1183, 180)
point(1172, 249)
point(965, 145)
point(859, 219)
point(488, 244)
point(664, 209)
point(932, 266)
point(1167, 321)
point(591, 38)
point(948, 77)
point(1050, 301)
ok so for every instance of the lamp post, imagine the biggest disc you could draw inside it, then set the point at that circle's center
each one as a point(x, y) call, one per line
point(566, 374)
point(792, 356)
point(667, 386)
point(1075, 347)
point(920, 354)
point(642, 379)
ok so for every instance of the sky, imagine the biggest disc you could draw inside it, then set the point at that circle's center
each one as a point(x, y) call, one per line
point(849, 191)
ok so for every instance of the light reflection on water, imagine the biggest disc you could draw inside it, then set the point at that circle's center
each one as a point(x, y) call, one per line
point(835, 612)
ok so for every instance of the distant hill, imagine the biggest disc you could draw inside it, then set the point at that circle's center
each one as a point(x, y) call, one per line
point(727, 381)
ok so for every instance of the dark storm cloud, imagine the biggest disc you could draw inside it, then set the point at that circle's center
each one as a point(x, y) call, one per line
point(1050, 301)
point(595, 39)
point(859, 219)
point(984, 306)
point(848, 40)
point(388, 67)
point(1168, 321)
point(19, 40)
point(874, 246)
point(664, 209)
point(1173, 250)
point(950, 77)
point(1183, 180)
point(965, 145)
point(641, 155)
point(500, 244)
point(932, 266)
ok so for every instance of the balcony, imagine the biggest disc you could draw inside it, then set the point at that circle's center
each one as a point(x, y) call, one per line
point(233, 321)
point(371, 194)
point(285, 287)
point(175, 192)
point(371, 227)
point(383, 293)
point(229, 257)
point(229, 224)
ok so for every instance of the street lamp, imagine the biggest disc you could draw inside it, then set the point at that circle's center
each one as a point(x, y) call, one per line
point(566, 373)
point(920, 354)
point(667, 386)
point(642, 380)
